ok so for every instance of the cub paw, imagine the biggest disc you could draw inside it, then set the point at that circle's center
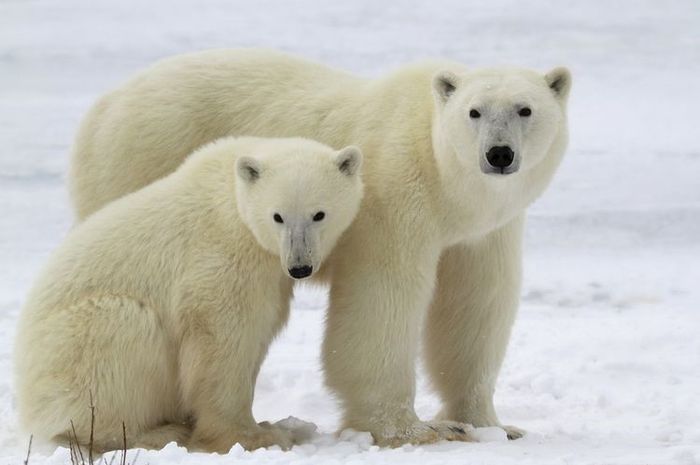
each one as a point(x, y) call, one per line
point(255, 437)
point(268, 436)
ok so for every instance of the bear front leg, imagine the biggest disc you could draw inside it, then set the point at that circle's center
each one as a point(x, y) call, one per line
point(223, 346)
point(377, 305)
point(469, 324)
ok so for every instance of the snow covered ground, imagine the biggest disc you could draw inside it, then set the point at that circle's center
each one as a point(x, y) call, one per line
point(604, 364)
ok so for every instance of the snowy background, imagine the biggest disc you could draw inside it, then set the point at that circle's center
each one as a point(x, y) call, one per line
point(604, 363)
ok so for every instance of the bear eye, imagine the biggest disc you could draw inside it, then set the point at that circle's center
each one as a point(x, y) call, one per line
point(474, 114)
point(525, 112)
point(319, 216)
point(277, 218)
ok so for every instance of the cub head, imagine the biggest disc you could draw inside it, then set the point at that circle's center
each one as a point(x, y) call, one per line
point(502, 121)
point(297, 197)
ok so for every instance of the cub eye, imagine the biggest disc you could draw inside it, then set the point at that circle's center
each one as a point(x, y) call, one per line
point(319, 216)
point(474, 114)
point(277, 218)
point(525, 112)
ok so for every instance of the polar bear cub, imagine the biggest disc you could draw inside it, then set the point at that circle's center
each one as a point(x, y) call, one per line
point(160, 307)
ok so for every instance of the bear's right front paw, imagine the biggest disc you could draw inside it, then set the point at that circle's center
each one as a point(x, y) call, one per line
point(423, 432)
point(255, 437)
point(267, 436)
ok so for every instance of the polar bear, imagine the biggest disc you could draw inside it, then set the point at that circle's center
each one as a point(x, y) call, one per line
point(160, 308)
point(453, 157)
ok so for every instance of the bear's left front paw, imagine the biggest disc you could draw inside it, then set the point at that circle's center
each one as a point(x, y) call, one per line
point(420, 432)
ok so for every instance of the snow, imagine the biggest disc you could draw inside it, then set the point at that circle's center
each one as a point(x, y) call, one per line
point(604, 362)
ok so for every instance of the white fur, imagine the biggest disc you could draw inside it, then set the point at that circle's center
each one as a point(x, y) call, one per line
point(162, 305)
point(435, 230)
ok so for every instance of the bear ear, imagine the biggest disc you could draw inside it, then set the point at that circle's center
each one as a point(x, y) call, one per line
point(444, 85)
point(248, 169)
point(559, 80)
point(349, 160)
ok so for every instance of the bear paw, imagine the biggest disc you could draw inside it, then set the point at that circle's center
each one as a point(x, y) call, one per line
point(513, 432)
point(254, 438)
point(421, 432)
point(268, 435)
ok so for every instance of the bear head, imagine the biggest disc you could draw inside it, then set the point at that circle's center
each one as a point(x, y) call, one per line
point(501, 122)
point(297, 197)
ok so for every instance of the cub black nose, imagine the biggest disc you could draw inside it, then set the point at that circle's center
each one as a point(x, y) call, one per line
point(500, 156)
point(299, 272)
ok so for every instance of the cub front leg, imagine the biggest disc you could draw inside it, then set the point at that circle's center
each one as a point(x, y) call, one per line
point(223, 346)
point(378, 299)
point(469, 324)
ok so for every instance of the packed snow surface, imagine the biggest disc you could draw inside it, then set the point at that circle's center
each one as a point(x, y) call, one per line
point(604, 362)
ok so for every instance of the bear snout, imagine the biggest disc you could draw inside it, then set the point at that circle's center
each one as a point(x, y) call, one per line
point(300, 272)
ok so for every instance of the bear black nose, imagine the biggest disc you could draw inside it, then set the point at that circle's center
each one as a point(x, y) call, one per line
point(299, 272)
point(500, 156)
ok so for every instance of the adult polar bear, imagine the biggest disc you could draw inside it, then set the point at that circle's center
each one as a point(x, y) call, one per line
point(452, 160)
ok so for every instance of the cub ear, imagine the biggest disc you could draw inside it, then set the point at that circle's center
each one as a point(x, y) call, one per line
point(444, 85)
point(559, 80)
point(248, 169)
point(349, 160)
